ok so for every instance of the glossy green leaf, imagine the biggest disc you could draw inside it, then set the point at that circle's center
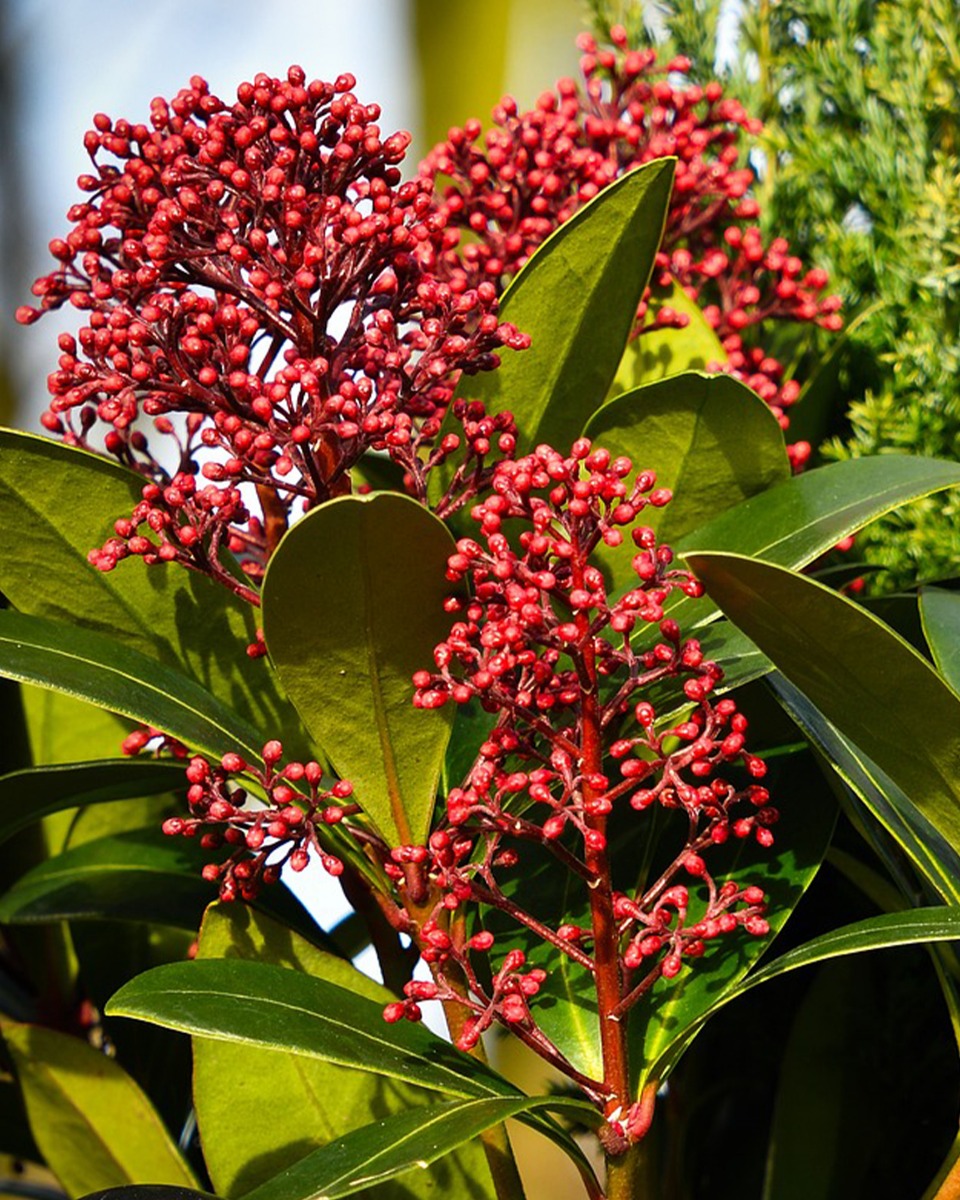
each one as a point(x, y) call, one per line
point(105, 672)
point(234, 1083)
point(659, 353)
point(401, 1143)
point(93, 1125)
point(710, 439)
point(797, 521)
point(67, 500)
point(673, 1011)
point(577, 297)
point(139, 876)
point(865, 679)
point(263, 1005)
point(934, 858)
point(27, 796)
point(940, 614)
point(352, 607)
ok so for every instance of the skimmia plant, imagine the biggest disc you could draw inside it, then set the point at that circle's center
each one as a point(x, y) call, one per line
point(429, 534)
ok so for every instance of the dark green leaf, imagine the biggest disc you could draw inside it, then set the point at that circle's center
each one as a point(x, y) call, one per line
point(874, 687)
point(711, 440)
point(56, 504)
point(940, 614)
point(352, 607)
point(27, 796)
point(577, 297)
point(93, 1125)
point(658, 353)
point(404, 1142)
point(113, 676)
point(263, 1005)
point(16, 1140)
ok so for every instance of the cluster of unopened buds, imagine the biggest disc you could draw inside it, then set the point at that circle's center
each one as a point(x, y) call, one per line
point(509, 190)
point(540, 643)
point(255, 279)
point(269, 816)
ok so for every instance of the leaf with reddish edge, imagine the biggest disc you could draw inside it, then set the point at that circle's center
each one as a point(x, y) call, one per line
point(321, 1102)
point(710, 439)
point(661, 352)
point(352, 607)
point(401, 1143)
point(863, 677)
point(92, 1123)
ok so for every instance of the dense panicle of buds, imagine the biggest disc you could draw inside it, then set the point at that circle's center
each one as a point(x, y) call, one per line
point(568, 669)
point(507, 191)
point(253, 278)
point(267, 816)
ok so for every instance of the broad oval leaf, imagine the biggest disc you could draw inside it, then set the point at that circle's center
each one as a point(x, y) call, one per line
point(321, 1102)
point(352, 607)
point(401, 1143)
point(68, 500)
point(28, 796)
point(264, 1005)
point(92, 1123)
point(577, 297)
point(659, 353)
point(865, 679)
point(710, 439)
point(113, 676)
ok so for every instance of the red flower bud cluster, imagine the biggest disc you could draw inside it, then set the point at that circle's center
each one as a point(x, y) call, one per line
point(253, 278)
point(567, 668)
point(535, 169)
point(268, 816)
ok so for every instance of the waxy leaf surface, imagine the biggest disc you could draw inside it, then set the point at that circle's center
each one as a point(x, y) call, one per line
point(264, 1005)
point(92, 1123)
point(865, 679)
point(352, 607)
point(577, 297)
point(235, 1083)
point(28, 796)
point(113, 676)
point(398, 1144)
point(709, 439)
point(940, 615)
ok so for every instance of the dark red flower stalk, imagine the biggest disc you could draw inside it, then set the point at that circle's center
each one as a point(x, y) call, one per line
point(253, 279)
point(508, 191)
point(568, 669)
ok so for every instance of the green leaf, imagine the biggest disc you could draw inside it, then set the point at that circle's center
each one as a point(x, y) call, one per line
point(352, 607)
point(577, 297)
point(930, 853)
point(93, 1125)
point(865, 679)
point(797, 521)
point(400, 1143)
point(710, 439)
point(673, 1011)
point(105, 672)
point(659, 353)
point(57, 503)
point(235, 1083)
point(940, 615)
point(28, 796)
point(16, 1140)
point(138, 876)
point(262, 1005)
